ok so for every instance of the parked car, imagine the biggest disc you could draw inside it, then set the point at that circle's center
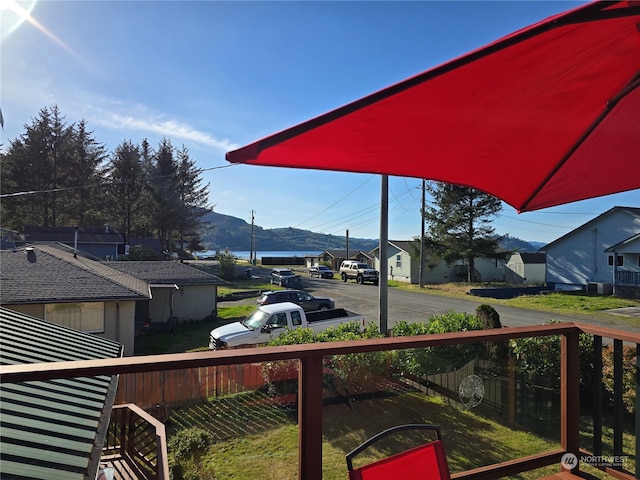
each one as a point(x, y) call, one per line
point(285, 277)
point(308, 302)
point(360, 272)
point(321, 271)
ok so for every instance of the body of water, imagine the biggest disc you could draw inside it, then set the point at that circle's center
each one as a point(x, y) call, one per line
point(244, 254)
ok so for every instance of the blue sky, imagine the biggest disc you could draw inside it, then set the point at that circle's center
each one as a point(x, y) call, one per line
point(214, 76)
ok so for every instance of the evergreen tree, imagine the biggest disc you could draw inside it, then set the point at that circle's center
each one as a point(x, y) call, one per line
point(84, 205)
point(125, 182)
point(39, 162)
point(144, 224)
point(164, 187)
point(459, 224)
point(55, 175)
point(193, 198)
point(15, 210)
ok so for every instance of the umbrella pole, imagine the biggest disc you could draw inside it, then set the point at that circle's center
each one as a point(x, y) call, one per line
point(384, 242)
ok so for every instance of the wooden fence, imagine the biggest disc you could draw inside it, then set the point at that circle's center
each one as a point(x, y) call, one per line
point(156, 390)
point(153, 389)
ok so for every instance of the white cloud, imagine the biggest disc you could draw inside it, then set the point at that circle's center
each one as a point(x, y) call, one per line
point(170, 128)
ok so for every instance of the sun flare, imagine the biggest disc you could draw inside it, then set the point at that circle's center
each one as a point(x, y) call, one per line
point(14, 13)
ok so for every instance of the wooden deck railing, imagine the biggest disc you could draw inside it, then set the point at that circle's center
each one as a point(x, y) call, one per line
point(310, 386)
point(135, 445)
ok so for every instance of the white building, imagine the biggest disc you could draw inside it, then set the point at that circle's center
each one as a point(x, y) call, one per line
point(601, 254)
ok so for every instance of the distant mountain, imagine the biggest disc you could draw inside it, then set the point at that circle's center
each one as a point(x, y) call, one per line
point(227, 232)
point(517, 245)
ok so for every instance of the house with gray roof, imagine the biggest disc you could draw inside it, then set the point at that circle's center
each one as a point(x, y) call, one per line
point(55, 283)
point(180, 293)
point(53, 429)
point(404, 266)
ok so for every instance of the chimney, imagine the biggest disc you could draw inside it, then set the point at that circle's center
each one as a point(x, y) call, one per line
point(75, 244)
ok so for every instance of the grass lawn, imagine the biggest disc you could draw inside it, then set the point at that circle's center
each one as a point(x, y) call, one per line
point(569, 303)
point(189, 337)
point(254, 440)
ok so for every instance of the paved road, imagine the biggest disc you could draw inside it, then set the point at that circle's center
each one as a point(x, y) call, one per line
point(414, 306)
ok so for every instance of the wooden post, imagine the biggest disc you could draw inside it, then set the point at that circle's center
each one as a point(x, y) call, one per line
point(310, 418)
point(511, 388)
point(570, 394)
point(597, 395)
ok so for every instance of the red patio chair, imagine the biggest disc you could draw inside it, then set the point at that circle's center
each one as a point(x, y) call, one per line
point(426, 461)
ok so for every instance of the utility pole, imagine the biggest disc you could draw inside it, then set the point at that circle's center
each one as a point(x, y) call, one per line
point(421, 283)
point(252, 242)
point(347, 246)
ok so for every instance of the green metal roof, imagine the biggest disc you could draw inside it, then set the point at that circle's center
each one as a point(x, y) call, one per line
point(52, 429)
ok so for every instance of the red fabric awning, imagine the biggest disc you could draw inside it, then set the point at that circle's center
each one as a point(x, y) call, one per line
point(547, 115)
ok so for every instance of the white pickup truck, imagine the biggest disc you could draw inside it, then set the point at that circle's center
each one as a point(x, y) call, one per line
point(269, 321)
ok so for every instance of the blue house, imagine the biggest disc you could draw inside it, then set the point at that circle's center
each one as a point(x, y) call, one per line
point(104, 243)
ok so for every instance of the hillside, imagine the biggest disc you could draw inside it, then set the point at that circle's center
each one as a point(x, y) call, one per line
point(235, 234)
point(517, 245)
point(227, 232)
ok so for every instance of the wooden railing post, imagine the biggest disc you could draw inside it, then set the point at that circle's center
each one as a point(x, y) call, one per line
point(597, 395)
point(618, 404)
point(310, 418)
point(570, 393)
point(637, 408)
point(124, 430)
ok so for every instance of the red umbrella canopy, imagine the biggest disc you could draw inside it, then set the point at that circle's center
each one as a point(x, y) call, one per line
point(545, 116)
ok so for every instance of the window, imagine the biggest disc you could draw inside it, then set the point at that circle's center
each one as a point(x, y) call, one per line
point(278, 320)
point(296, 319)
point(619, 260)
point(398, 261)
point(86, 317)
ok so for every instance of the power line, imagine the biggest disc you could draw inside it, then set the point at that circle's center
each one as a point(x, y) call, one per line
point(334, 204)
point(99, 185)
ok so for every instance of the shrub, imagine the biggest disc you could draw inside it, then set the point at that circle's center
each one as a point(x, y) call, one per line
point(488, 316)
point(629, 359)
point(344, 374)
point(185, 448)
point(138, 252)
point(426, 361)
point(227, 265)
point(189, 442)
point(539, 359)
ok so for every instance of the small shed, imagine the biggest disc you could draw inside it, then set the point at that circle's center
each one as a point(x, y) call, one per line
point(526, 268)
point(180, 293)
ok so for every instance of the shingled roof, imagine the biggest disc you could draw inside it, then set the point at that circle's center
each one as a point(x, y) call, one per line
point(52, 429)
point(166, 272)
point(52, 273)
